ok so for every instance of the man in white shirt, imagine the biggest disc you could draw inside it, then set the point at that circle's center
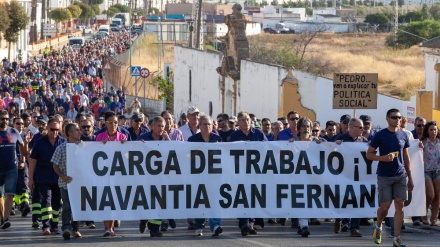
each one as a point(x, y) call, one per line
point(192, 127)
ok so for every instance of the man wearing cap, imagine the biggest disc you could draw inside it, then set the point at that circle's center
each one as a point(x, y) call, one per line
point(136, 129)
point(232, 123)
point(292, 131)
point(367, 122)
point(343, 126)
point(192, 127)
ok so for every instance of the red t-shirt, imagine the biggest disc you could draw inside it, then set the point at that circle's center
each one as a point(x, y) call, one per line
point(76, 99)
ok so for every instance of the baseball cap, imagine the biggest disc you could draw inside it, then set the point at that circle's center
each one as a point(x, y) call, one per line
point(192, 110)
point(345, 117)
point(41, 119)
point(366, 118)
point(232, 119)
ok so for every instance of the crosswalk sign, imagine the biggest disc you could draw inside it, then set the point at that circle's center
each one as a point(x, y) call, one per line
point(135, 70)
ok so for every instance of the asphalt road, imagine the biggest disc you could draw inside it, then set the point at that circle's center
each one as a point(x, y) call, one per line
point(21, 234)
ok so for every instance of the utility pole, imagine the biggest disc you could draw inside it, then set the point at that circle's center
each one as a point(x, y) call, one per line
point(396, 17)
point(198, 37)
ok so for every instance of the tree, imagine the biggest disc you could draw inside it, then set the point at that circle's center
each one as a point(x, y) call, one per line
point(434, 11)
point(413, 16)
point(380, 19)
point(95, 9)
point(18, 21)
point(274, 3)
point(122, 8)
point(75, 10)
point(4, 19)
point(86, 11)
point(60, 15)
point(166, 89)
point(305, 37)
point(427, 29)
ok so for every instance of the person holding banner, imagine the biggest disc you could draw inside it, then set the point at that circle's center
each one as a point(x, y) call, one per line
point(206, 135)
point(430, 142)
point(304, 129)
point(354, 134)
point(394, 178)
point(111, 133)
point(157, 133)
point(59, 161)
point(246, 133)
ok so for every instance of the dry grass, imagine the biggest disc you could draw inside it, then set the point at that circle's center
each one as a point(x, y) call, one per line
point(146, 55)
point(401, 70)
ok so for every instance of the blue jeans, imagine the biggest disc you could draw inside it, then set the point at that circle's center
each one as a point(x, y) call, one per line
point(213, 223)
point(66, 216)
point(8, 179)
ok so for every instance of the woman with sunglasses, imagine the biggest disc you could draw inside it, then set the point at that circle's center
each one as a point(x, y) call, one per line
point(430, 142)
point(111, 134)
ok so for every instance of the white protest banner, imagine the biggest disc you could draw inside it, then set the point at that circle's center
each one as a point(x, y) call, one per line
point(155, 180)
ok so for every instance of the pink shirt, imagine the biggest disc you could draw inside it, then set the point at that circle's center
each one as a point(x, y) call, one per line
point(2, 105)
point(104, 135)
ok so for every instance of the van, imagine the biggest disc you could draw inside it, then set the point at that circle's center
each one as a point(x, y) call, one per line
point(117, 21)
point(104, 29)
point(76, 42)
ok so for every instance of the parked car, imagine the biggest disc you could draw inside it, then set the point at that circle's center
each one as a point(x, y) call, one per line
point(114, 27)
point(271, 30)
point(101, 35)
point(84, 29)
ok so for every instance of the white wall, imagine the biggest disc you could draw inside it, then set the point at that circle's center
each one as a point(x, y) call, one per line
point(204, 77)
point(259, 90)
point(251, 29)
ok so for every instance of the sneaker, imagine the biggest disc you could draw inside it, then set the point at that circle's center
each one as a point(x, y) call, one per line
point(77, 234)
point(377, 234)
point(398, 243)
point(217, 231)
point(337, 226)
point(142, 226)
point(416, 223)
point(46, 231)
point(55, 231)
point(1, 222)
point(6, 224)
point(355, 233)
point(106, 234)
point(345, 228)
point(304, 232)
point(245, 230)
point(199, 233)
point(117, 223)
point(91, 226)
point(252, 231)
point(272, 221)
point(35, 225)
point(156, 234)
point(172, 223)
point(66, 234)
point(26, 210)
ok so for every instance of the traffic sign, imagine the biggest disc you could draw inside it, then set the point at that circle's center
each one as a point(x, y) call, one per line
point(135, 70)
point(145, 73)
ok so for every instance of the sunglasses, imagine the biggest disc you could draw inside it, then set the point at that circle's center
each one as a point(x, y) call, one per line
point(19, 123)
point(86, 126)
point(294, 119)
point(420, 125)
point(51, 129)
point(138, 120)
point(111, 122)
point(315, 130)
point(4, 119)
point(396, 117)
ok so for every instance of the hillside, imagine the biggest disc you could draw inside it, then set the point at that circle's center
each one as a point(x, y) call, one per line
point(400, 71)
